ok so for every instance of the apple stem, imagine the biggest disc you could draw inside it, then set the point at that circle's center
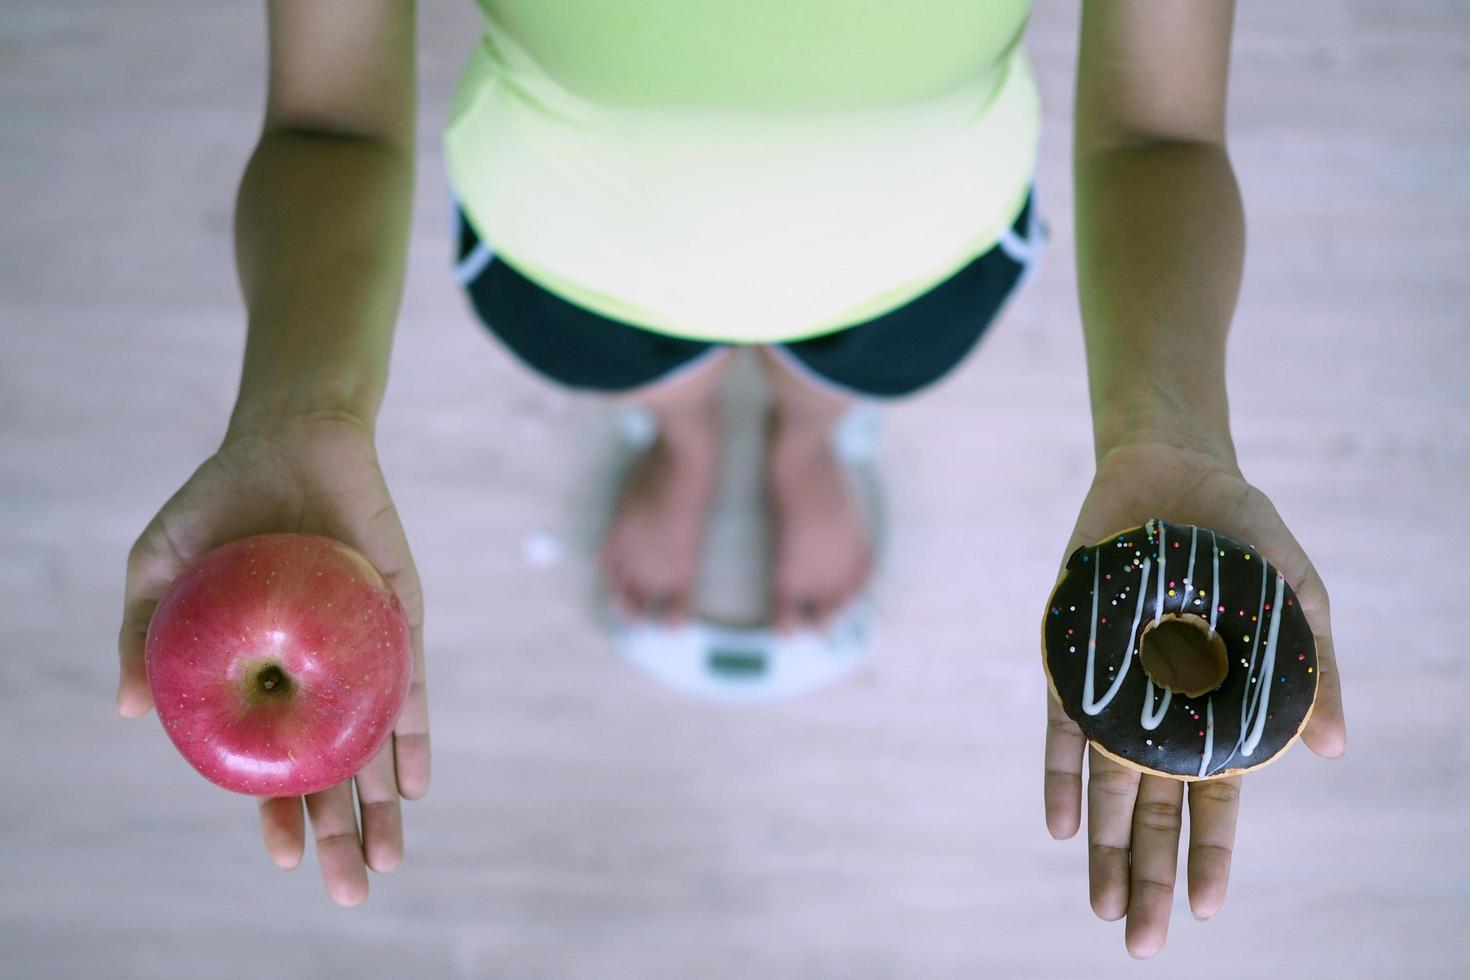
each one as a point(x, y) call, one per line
point(271, 683)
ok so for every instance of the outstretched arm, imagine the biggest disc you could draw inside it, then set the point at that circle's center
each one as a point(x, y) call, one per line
point(1160, 240)
point(321, 233)
point(321, 221)
point(1160, 234)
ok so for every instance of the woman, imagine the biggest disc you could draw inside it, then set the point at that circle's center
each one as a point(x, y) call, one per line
point(843, 186)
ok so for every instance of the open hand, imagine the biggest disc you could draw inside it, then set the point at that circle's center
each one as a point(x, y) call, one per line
point(1133, 824)
point(317, 474)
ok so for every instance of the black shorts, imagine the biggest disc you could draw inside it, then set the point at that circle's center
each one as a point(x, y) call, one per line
point(893, 354)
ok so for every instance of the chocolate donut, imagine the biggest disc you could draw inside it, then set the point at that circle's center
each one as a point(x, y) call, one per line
point(1182, 599)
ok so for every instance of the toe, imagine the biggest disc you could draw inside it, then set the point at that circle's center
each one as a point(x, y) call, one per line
point(827, 610)
point(629, 597)
point(677, 612)
point(640, 599)
point(656, 604)
point(784, 613)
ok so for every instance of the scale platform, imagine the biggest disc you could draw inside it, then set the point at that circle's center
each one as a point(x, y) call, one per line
point(728, 652)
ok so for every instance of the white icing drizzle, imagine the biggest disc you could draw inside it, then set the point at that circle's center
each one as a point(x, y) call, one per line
point(1204, 760)
point(1215, 581)
point(1149, 718)
point(1189, 591)
point(1089, 704)
point(1251, 697)
point(1189, 572)
point(1267, 668)
point(1159, 600)
point(1248, 696)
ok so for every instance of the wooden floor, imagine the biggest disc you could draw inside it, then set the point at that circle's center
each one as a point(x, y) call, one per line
point(586, 824)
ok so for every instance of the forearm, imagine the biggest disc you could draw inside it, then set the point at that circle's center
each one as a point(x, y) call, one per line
point(321, 234)
point(1160, 242)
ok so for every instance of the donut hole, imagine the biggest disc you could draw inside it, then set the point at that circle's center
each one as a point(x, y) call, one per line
point(1183, 654)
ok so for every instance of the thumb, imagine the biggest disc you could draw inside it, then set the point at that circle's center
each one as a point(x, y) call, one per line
point(153, 563)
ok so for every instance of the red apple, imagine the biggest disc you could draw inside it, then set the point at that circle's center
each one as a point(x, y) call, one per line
point(279, 663)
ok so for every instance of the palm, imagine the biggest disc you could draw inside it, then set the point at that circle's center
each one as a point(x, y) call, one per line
point(314, 476)
point(1134, 820)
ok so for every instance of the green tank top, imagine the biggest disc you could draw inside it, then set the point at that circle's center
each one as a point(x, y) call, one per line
point(744, 170)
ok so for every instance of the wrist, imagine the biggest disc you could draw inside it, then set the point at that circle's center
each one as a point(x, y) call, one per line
point(280, 407)
point(1172, 404)
point(1117, 432)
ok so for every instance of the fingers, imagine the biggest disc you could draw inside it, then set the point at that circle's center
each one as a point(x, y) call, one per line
point(1213, 807)
point(411, 733)
point(1156, 820)
point(152, 565)
point(338, 847)
point(382, 817)
point(134, 698)
point(1062, 792)
point(1326, 731)
point(283, 826)
point(1111, 792)
point(382, 540)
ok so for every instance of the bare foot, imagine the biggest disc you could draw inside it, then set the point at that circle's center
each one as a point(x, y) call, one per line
point(651, 553)
point(823, 558)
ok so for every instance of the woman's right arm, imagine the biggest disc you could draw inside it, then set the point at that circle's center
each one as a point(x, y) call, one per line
point(321, 221)
point(321, 233)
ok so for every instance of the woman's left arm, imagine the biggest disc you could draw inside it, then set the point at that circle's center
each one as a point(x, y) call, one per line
point(1160, 240)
